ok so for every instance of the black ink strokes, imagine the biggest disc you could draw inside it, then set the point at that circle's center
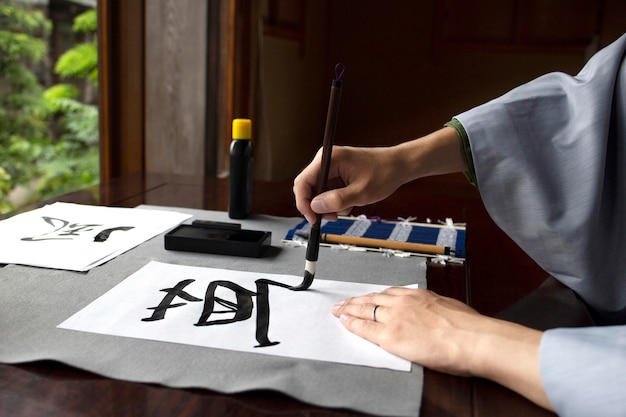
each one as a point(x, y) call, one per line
point(263, 310)
point(171, 293)
point(63, 230)
point(66, 230)
point(104, 235)
point(241, 309)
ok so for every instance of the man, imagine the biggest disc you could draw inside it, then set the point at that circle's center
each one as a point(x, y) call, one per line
point(549, 159)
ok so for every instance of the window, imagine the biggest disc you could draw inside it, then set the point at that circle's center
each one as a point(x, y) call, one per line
point(48, 99)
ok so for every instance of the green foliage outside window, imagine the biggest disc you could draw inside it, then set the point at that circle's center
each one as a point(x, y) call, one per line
point(48, 138)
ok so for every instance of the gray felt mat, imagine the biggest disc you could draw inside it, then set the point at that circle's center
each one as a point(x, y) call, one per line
point(33, 301)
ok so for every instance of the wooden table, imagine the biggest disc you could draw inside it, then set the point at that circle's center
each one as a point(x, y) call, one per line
point(496, 275)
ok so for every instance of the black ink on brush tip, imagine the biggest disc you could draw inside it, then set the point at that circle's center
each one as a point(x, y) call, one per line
point(306, 283)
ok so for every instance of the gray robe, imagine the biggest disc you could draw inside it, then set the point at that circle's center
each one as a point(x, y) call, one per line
point(550, 161)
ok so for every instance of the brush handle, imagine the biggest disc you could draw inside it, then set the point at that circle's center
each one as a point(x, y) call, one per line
point(386, 244)
point(313, 245)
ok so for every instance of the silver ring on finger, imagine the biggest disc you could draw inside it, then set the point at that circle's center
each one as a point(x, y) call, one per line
point(374, 312)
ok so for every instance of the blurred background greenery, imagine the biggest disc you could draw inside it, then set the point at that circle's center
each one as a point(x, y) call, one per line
point(48, 99)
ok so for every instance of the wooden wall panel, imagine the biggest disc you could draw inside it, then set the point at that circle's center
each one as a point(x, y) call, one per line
point(513, 26)
point(175, 72)
point(121, 44)
point(175, 86)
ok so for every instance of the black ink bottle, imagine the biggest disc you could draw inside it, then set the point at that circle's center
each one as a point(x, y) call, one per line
point(240, 193)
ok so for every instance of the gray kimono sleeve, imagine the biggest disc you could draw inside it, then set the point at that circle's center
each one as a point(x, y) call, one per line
point(584, 370)
point(550, 162)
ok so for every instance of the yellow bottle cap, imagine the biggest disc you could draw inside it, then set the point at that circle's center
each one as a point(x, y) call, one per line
point(242, 129)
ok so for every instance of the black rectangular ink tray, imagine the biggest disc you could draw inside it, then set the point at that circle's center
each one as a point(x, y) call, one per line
point(220, 241)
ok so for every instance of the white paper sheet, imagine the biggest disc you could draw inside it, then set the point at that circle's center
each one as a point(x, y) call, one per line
point(78, 237)
point(300, 323)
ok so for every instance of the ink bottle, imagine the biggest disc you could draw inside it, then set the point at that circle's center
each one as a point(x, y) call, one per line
point(240, 191)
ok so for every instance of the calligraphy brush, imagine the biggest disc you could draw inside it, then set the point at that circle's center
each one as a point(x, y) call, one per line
point(313, 246)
